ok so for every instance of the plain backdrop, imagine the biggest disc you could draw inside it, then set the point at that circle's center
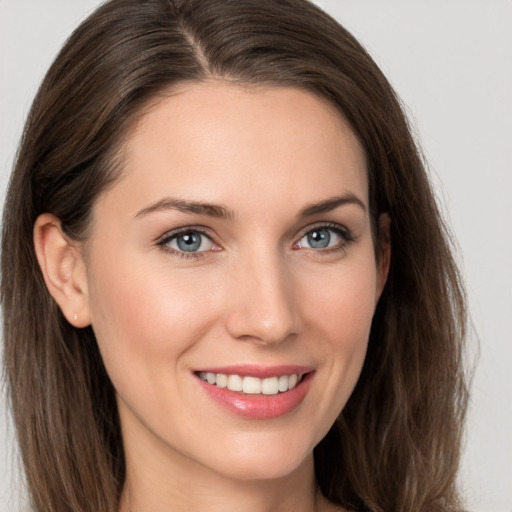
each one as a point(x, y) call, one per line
point(451, 63)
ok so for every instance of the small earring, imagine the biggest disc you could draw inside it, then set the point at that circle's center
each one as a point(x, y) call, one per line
point(75, 318)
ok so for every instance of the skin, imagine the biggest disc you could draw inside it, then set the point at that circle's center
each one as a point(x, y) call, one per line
point(255, 293)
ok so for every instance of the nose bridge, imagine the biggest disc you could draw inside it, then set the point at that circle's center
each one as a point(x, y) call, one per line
point(263, 304)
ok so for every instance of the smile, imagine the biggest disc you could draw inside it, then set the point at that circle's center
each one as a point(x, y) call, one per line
point(252, 385)
point(257, 392)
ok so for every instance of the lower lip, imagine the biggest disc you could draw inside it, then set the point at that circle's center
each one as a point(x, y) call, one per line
point(260, 407)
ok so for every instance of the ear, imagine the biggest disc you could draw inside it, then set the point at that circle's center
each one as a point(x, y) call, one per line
point(383, 251)
point(63, 269)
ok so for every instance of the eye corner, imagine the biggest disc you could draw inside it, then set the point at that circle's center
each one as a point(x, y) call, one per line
point(334, 238)
point(188, 242)
point(297, 245)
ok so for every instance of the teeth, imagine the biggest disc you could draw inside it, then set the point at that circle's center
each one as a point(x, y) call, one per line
point(252, 385)
point(222, 380)
point(270, 386)
point(235, 383)
point(282, 384)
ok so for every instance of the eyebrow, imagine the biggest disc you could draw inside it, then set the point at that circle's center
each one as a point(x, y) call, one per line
point(220, 212)
point(331, 204)
point(211, 210)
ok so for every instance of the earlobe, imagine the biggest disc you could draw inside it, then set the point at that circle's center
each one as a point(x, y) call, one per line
point(63, 269)
point(384, 251)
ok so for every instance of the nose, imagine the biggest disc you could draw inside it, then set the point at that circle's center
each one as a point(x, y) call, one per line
point(263, 301)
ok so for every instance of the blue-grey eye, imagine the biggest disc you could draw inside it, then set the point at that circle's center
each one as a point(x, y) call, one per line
point(190, 241)
point(320, 238)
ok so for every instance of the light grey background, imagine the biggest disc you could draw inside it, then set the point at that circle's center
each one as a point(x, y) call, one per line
point(451, 62)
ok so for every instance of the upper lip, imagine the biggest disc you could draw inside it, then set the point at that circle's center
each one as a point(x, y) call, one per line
point(260, 371)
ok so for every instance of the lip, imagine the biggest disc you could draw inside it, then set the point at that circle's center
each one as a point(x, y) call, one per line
point(259, 406)
point(262, 372)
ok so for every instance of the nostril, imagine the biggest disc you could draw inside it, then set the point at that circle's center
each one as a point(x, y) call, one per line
point(262, 305)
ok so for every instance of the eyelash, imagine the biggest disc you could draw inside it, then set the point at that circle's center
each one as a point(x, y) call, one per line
point(347, 237)
point(170, 236)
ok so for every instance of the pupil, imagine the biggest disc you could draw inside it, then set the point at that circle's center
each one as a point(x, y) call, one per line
point(189, 242)
point(319, 239)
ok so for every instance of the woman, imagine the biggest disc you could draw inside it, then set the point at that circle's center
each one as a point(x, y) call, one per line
point(225, 280)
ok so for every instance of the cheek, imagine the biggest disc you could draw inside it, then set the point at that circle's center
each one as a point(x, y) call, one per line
point(343, 300)
point(341, 311)
point(145, 319)
point(351, 315)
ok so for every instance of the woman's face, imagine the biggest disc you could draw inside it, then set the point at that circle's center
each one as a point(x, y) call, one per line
point(235, 248)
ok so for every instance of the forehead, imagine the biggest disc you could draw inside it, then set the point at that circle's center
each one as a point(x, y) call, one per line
point(221, 142)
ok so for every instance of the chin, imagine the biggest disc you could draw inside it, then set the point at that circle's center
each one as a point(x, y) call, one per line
point(264, 459)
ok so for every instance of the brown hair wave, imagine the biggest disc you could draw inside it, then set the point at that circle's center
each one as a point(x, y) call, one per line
point(396, 445)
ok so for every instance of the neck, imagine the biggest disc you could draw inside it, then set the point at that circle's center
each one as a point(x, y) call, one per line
point(179, 484)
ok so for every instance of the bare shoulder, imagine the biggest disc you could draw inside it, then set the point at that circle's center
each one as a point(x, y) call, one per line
point(326, 506)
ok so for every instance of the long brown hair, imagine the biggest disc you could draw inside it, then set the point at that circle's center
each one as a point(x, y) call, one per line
point(395, 446)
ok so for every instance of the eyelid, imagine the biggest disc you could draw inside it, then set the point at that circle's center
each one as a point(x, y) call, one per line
point(203, 230)
point(164, 239)
point(346, 234)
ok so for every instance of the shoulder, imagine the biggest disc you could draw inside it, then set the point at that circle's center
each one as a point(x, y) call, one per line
point(326, 506)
